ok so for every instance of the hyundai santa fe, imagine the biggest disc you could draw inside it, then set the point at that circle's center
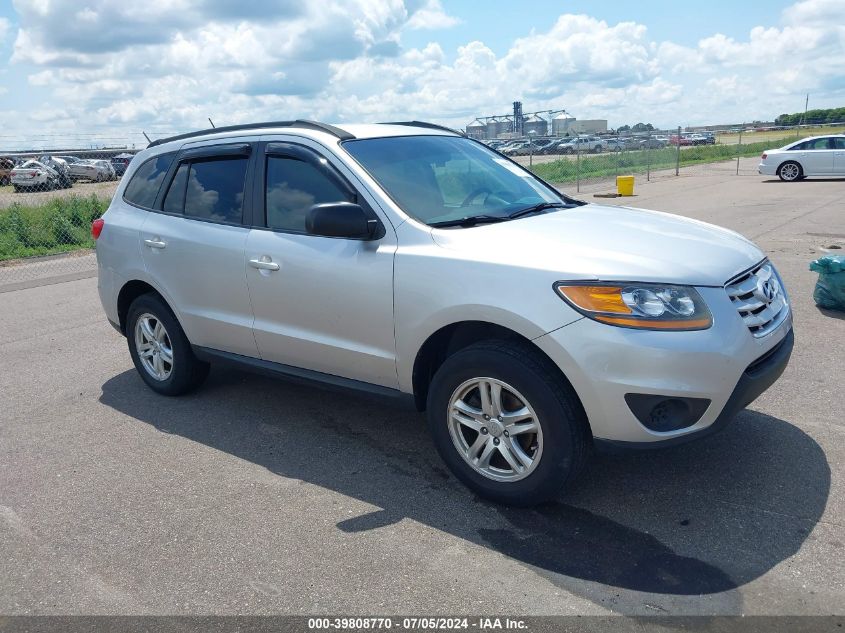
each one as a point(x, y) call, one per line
point(413, 263)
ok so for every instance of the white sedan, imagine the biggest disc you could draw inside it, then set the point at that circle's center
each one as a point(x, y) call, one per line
point(94, 170)
point(814, 156)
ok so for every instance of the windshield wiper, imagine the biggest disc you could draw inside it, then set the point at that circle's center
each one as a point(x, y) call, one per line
point(470, 220)
point(536, 208)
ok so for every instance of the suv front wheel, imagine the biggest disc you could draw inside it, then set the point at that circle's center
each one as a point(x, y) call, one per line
point(160, 350)
point(506, 424)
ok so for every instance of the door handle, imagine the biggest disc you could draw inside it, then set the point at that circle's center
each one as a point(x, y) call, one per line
point(156, 242)
point(264, 263)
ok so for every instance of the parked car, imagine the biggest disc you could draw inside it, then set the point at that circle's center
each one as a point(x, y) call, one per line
point(94, 170)
point(61, 167)
point(34, 175)
point(6, 167)
point(583, 144)
point(516, 148)
point(426, 268)
point(620, 143)
point(682, 140)
point(814, 156)
point(120, 162)
point(534, 146)
point(651, 142)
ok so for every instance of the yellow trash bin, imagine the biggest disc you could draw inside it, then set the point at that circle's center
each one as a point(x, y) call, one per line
point(625, 185)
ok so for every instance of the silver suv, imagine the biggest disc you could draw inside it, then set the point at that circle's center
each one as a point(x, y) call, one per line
point(410, 262)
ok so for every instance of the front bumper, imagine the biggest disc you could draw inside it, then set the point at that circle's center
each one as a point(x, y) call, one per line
point(724, 364)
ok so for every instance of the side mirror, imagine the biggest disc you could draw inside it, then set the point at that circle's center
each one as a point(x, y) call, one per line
point(340, 219)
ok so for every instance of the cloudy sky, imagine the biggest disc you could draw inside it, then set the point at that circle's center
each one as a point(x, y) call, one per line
point(80, 69)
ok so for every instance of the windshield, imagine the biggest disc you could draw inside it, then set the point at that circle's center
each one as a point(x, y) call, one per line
point(439, 179)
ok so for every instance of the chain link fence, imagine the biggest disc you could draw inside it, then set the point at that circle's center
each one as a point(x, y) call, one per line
point(591, 163)
point(47, 203)
point(49, 198)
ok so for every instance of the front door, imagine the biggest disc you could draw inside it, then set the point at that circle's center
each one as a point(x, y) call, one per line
point(320, 303)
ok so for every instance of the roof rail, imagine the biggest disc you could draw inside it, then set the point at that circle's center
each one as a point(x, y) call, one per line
point(431, 126)
point(343, 135)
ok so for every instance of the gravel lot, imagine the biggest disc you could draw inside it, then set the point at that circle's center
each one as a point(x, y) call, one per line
point(256, 496)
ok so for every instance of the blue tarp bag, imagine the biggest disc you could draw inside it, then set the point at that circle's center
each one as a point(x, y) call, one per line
point(830, 288)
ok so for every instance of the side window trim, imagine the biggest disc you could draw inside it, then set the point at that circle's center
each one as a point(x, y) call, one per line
point(205, 152)
point(268, 149)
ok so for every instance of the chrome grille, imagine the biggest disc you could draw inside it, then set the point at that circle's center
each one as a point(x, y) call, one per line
point(759, 298)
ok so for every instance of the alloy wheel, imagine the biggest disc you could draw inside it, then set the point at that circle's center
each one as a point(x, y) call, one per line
point(495, 429)
point(152, 342)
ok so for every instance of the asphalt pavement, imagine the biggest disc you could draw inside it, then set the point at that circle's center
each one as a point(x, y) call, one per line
point(254, 496)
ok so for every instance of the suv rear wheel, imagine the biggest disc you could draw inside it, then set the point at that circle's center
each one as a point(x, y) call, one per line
point(160, 350)
point(505, 424)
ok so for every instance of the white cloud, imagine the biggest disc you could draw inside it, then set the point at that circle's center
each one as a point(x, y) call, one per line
point(432, 16)
point(169, 64)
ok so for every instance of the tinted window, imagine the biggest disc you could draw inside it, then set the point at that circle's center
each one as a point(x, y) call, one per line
point(143, 188)
point(174, 201)
point(293, 187)
point(819, 143)
point(215, 189)
point(839, 143)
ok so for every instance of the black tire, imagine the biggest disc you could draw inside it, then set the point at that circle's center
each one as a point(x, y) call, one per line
point(187, 372)
point(567, 440)
point(18, 189)
point(787, 173)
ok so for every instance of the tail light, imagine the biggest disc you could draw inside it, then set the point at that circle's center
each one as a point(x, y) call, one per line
point(97, 227)
point(764, 156)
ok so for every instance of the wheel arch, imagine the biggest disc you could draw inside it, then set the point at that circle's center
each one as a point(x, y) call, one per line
point(130, 291)
point(454, 337)
point(790, 160)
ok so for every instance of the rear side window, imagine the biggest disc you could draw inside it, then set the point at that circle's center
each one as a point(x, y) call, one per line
point(146, 181)
point(209, 189)
point(293, 187)
point(839, 143)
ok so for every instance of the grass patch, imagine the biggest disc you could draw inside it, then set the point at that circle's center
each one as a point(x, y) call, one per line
point(57, 226)
point(633, 162)
point(778, 138)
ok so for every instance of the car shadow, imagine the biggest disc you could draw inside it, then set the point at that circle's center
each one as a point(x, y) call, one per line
point(701, 518)
point(807, 179)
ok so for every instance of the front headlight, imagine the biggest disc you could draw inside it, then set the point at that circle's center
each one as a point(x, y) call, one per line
point(638, 305)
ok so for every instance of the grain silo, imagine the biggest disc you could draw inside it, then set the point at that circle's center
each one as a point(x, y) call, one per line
point(498, 125)
point(561, 124)
point(535, 125)
point(477, 129)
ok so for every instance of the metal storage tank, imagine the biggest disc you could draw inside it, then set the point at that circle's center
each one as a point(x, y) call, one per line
point(535, 125)
point(561, 124)
point(477, 129)
point(498, 125)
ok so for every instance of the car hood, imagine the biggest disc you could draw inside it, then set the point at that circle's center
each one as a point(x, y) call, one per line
point(610, 243)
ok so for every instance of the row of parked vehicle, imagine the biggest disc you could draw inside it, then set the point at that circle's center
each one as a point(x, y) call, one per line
point(49, 172)
point(595, 144)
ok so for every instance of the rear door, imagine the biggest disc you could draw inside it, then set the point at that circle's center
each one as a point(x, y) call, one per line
point(193, 244)
point(320, 303)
